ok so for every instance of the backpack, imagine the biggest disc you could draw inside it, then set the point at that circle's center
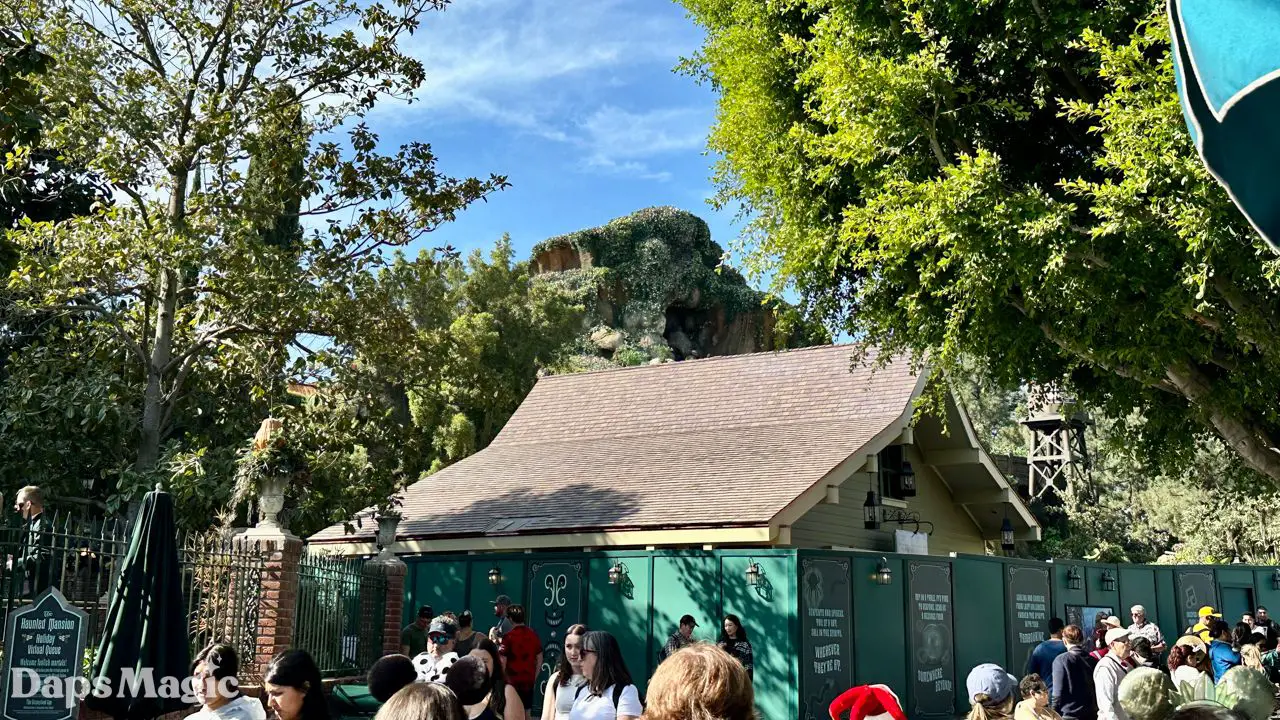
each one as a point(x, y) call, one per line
point(617, 695)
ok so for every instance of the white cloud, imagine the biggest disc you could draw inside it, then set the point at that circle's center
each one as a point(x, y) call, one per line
point(546, 68)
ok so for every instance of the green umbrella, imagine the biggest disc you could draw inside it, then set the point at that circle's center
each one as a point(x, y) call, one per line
point(146, 621)
point(1227, 69)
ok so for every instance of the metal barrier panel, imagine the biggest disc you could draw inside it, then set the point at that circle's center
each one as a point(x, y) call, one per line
point(339, 613)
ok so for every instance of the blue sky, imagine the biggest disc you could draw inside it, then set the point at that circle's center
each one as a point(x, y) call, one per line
point(577, 103)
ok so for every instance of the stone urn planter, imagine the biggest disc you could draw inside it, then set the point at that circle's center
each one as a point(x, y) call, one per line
point(387, 526)
point(271, 499)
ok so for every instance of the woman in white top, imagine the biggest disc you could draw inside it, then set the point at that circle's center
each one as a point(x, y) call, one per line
point(562, 686)
point(608, 693)
point(1182, 666)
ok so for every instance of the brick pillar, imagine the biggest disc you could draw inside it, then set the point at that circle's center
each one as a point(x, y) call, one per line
point(281, 554)
point(388, 615)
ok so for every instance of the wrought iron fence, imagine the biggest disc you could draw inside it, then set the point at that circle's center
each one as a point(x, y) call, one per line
point(81, 554)
point(339, 613)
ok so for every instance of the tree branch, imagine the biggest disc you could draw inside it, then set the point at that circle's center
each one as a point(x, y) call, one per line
point(105, 314)
point(1253, 444)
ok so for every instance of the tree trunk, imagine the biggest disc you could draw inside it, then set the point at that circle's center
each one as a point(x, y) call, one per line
point(1250, 443)
point(153, 400)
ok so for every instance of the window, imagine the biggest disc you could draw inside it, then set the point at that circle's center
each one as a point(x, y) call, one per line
point(891, 465)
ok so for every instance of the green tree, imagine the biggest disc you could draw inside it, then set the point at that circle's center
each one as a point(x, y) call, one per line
point(169, 102)
point(1011, 181)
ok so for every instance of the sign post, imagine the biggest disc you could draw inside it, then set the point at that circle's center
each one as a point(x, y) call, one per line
point(42, 641)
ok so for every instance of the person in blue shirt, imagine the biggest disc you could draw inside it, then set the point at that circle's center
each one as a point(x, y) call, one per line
point(1040, 661)
point(1222, 656)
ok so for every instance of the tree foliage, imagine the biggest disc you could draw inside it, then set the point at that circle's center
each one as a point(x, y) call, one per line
point(227, 125)
point(1007, 180)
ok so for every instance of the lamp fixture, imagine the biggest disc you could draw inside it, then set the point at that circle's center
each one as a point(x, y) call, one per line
point(617, 573)
point(1006, 535)
point(871, 511)
point(495, 575)
point(907, 480)
point(1108, 581)
point(1275, 579)
point(1076, 582)
point(753, 573)
point(883, 574)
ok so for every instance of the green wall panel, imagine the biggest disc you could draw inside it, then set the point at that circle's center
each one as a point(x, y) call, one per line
point(1235, 592)
point(1093, 587)
point(1063, 595)
point(442, 584)
point(1264, 593)
point(623, 609)
point(879, 626)
point(980, 630)
point(1167, 603)
point(481, 593)
point(768, 612)
point(1138, 587)
point(685, 584)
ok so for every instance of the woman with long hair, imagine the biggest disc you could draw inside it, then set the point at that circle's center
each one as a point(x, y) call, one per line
point(563, 684)
point(1184, 665)
point(700, 681)
point(422, 701)
point(992, 693)
point(292, 684)
point(503, 702)
point(608, 693)
point(1251, 657)
point(733, 640)
point(1241, 636)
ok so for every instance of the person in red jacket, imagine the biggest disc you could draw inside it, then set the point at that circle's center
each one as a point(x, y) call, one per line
point(867, 702)
point(522, 651)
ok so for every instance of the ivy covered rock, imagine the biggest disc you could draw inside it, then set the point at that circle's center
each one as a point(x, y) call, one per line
point(657, 289)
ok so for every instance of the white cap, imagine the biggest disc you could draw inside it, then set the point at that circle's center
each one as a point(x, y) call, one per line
point(1138, 609)
point(1115, 634)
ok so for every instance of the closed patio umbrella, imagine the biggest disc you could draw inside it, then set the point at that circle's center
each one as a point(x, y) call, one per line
point(1227, 64)
point(146, 621)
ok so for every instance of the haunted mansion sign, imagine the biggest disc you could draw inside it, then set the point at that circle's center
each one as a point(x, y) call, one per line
point(826, 666)
point(933, 665)
point(43, 645)
point(1027, 608)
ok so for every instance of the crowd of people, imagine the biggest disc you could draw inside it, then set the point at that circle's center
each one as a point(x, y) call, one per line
point(448, 671)
point(1077, 676)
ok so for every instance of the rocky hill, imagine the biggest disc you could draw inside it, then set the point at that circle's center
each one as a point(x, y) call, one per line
point(657, 291)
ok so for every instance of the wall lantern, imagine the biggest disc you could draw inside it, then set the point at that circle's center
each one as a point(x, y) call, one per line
point(1275, 579)
point(1074, 581)
point(884, 574)
point(617, 573)
point(907, 480)
point(753, 574)
point(1006, 535)
point(495, 576)
point(1108, 581)
point(871, 511)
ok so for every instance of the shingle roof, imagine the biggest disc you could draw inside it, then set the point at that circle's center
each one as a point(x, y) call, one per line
point(701, 443)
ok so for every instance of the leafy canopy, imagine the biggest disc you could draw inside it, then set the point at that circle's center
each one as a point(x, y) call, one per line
point(1007, 180)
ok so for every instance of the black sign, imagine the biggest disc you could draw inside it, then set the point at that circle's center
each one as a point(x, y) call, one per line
point(826, 648)
point(1027, 610)
point(933, 663)
point(1195, 589)
point(43, 647)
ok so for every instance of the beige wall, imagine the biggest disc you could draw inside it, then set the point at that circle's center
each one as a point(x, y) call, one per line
point(841, 525)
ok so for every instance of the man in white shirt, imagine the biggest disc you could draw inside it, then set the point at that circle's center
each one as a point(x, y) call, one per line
point(1141, 627)
point(434, 663)
point(1110, 671)
point(215, 681)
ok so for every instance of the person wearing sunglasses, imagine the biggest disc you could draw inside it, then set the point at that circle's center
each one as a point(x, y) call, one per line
point(433, 663)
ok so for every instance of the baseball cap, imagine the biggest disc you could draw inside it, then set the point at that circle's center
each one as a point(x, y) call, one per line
point(426, 612)
point(444, 626)
point(502, 600)
point(1115, 634)
point(1113, 621)
point(991, 680)
point(688, 620)
point(1208, 610)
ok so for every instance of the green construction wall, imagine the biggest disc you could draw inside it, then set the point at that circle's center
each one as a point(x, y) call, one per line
point(661, 586)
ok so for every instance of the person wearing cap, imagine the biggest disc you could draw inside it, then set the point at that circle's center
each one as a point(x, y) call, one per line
point(991, 692)
point(503, 625)
point(1109, 624)
point(1222, 656)
point(1073, 696)
point(682, 637)
point(1201, 629)
point(1144, 628)
point(439, 656)
point(413, 638)
point(1110, 671)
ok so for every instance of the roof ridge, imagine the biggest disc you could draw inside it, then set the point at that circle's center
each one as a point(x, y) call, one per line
point(714, 358)
point(719, 430)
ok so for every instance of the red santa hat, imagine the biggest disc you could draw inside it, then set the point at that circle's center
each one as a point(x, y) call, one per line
point(868, 702)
